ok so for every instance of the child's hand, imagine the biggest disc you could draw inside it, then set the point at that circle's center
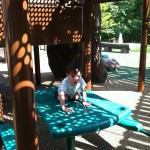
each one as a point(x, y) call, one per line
point(68, 110)
point(85, 103)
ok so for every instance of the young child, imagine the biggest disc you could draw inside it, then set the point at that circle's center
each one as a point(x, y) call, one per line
point(69, 88)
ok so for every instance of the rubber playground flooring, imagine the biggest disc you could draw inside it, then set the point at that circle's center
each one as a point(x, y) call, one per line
point(129, 67)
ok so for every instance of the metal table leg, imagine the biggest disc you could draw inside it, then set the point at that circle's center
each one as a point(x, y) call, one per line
point(71, 143)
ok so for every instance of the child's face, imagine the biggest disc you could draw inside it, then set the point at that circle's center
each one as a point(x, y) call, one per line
point(74, 78)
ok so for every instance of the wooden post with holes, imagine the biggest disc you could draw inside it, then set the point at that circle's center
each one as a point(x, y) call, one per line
point(1, 110)
point(87, 43)
point(20, 73)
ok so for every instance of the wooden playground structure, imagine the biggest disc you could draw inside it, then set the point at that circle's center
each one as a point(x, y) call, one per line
point(27, 23)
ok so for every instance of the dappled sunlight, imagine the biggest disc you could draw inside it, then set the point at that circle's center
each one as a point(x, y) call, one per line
point(136, 142)
point(100, 115)
point(116, 85)
point(2, 36)
point(55, 17)
point(8, 116)
point(123, 138)
point(41, 12)
point(22, 50)
point(141, 114)
point(129, 74)
point(41, 15)
point(143, 109)
point(7, 133)
point(51, 83)
point(124, 91)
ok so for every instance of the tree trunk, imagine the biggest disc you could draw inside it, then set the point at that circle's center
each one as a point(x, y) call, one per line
point(99, 73)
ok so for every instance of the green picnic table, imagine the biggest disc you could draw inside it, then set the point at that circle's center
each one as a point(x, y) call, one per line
point(102, 114)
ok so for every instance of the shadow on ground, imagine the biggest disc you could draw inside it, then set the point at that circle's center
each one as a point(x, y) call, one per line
point(135, 140)
point(129, 74)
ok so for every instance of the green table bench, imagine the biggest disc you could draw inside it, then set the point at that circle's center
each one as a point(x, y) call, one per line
point(102, 114)
point(7, 136)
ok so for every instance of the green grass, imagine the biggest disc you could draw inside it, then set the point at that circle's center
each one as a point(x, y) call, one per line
point(138, 49)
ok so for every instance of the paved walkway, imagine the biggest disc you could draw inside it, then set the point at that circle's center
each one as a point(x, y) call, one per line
point(117, 89)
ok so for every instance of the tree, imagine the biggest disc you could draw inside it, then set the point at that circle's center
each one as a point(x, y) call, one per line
point(99, 73)
point(127, 19)
point(107, 23)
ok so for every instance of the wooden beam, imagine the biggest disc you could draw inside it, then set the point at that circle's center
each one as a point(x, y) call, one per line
point(20, 73)
point(37, 65)
point(105, 1)
point(87, 43)
point(144, 39)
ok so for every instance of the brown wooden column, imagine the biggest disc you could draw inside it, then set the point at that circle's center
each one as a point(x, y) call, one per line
point(87, 43)
point(20, 73)
point(37, 65)
point(144, 40)
point(5, 56)
point(1, 109)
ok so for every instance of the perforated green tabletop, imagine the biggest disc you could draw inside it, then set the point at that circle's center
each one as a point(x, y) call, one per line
point(102, 114)
point(8, 137)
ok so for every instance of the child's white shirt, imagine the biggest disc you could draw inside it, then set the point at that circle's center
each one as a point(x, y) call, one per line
point(71, 89)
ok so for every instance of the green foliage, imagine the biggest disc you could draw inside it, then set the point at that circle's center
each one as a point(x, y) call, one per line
point(122, 17)
point(138, 49)
point(107, 23)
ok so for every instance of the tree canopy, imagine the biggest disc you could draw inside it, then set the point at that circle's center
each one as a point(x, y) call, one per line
point(121, 17)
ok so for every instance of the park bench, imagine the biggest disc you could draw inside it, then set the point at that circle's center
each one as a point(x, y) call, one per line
point(124, 47)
